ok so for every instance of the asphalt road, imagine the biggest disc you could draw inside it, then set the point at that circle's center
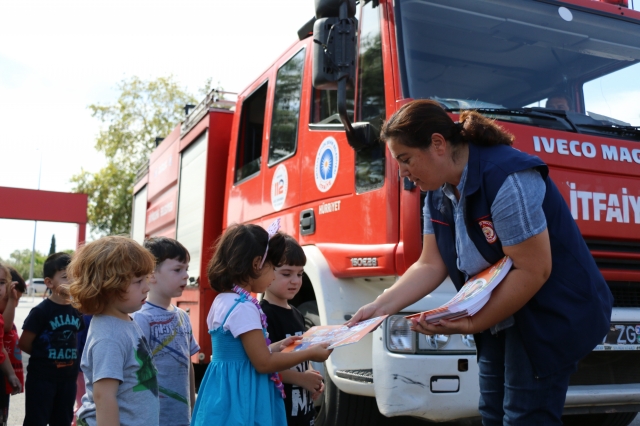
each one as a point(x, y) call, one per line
point(16, 406)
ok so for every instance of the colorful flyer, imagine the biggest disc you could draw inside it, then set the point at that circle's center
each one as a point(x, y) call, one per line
point(473, 295)
point(336, 335)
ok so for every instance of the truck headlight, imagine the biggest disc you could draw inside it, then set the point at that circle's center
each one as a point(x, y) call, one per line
point(469, 340)
point(437, 341)
point(400, 338)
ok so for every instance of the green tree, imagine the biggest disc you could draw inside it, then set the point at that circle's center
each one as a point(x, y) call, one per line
point(143, 111)
point(21, 260)
point(52, 248)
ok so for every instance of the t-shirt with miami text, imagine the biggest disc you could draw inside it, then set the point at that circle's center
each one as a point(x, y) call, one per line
point(117, 349)
point(54, 355)
point(172, 344)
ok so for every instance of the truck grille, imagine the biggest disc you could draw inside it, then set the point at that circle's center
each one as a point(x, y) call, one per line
point(608, 368)
point(364, 376)
point(626, 294)
point(618, 255)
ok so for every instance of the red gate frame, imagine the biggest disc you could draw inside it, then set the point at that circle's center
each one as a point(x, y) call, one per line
point(47, 206)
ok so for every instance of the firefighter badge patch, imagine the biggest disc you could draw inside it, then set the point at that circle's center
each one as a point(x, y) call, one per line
point(489, 232)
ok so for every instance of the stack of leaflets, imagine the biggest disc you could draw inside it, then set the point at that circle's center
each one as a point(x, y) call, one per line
point(336, 335)
point(473, 295)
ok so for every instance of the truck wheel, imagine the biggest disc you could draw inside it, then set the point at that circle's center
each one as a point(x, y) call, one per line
point(338, 408)
point(309, 311)
point(604, 419)
point(342, 409)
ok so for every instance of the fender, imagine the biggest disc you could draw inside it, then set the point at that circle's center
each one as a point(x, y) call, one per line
point(337, 297)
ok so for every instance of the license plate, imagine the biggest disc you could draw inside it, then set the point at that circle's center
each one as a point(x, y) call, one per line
point(621, 337)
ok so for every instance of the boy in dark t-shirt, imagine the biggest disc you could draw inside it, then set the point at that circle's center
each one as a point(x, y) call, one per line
point(49, 336)
point(302, 384)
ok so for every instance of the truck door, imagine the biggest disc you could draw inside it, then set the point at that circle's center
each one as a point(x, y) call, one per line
point(193, 164)
point(245, 200)
point(341, 185)
point(281, 185)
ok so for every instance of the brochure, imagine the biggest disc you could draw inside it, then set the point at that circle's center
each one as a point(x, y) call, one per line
point(336, 335)
point(473, 295)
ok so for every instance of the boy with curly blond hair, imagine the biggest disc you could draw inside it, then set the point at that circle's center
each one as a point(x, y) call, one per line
point(109, 280)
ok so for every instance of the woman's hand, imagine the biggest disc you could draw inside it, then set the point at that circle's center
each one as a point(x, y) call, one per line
point(367, 311)
point(459, 326)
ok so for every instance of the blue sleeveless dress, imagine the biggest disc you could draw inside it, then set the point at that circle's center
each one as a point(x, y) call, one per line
point(232, 392)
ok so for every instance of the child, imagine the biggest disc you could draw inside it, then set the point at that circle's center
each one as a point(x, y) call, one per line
point(80, 389)
point(302, 384)
point(109, 281)
point(15, 385)
point(168, 331)
point(8, 310)
point(49, 336)
point(237, 388)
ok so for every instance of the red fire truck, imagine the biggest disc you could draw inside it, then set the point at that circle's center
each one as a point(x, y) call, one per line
point(295, 148)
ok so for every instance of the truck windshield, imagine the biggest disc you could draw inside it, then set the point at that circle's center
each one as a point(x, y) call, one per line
point(531, 62)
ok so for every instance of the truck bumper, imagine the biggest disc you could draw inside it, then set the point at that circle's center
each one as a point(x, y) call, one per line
point(426, 386)
point(602, 399)
point(433, 387)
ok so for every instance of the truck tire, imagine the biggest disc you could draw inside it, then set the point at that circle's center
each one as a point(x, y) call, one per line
point(338, 408)
point(342, 409)
point(604, 419)
point(309, 311)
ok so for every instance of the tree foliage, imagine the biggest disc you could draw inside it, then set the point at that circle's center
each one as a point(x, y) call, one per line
point(52, 247)
point(143, 111)
point(21, 260)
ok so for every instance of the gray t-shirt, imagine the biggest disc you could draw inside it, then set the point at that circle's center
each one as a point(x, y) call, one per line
point(172, 343)
point(117, 349)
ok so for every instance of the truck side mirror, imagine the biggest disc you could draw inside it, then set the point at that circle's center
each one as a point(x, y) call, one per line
point(331, 8)
point(335, 37)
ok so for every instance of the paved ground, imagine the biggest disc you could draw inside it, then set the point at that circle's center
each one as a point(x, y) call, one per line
point(16, 411)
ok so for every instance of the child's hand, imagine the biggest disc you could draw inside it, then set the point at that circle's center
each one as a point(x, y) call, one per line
point(279, 346)
point(311, 380)
point(15, 384)
point(13, 293)
point(319, 353)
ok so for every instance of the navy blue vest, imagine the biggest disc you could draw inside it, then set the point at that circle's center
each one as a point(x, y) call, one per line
point(571, 313)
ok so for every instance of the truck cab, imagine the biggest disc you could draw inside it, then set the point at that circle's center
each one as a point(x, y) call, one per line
point(562, 76)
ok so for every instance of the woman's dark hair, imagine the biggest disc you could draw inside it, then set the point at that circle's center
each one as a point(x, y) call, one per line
point(414, 123)
point(15, 276)
point(235, 250)
point(293, 253)
point(163, 248)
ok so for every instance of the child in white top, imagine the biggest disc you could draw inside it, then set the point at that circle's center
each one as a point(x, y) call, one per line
point(241, 385)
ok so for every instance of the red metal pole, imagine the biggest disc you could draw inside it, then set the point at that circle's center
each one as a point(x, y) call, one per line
point(82, 229)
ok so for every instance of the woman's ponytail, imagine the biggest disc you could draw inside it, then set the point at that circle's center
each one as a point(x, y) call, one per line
point(479, 130)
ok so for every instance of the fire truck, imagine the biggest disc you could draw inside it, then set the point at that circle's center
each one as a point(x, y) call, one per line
point(300, 144)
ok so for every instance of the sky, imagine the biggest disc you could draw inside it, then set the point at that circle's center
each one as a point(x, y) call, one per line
point(58, 57)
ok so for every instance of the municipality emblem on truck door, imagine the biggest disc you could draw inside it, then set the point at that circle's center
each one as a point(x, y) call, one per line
point(279, 187)
point(327, 161)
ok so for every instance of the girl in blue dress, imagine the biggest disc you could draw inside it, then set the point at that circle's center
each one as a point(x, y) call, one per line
point(241, 386)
